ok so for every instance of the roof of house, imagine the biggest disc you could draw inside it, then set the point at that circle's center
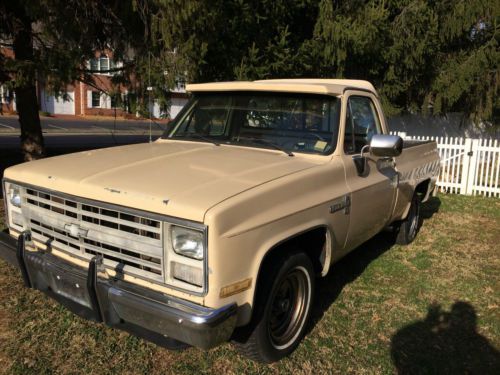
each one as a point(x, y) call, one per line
point(302, 85)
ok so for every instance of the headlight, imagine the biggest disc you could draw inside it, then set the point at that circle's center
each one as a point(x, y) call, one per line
point(188, 242)
point(13, 203)
point(186, 254)
point(15, 196)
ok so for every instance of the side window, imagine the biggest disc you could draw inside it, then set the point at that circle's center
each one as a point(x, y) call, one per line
point(362, 123)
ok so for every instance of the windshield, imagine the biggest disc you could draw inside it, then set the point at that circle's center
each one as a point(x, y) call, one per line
point(288, 122)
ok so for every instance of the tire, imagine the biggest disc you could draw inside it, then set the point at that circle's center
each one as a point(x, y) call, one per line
point(282, 309)
point(408, 228)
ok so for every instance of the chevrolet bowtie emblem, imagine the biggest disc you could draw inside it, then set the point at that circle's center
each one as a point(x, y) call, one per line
point(75, 230)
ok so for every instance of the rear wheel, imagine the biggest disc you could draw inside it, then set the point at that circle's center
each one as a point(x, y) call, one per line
point(408, 228)
point(282, 311)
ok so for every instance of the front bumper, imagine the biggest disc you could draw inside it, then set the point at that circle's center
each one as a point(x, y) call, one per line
point(90, 293)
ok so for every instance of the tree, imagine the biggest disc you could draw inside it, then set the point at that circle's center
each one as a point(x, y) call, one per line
point(20, 30)
point(228, 39)
point(468, 77)
point(427, 56)
point(52, 40)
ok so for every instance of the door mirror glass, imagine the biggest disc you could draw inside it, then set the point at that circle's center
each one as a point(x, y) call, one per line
point(386, 145)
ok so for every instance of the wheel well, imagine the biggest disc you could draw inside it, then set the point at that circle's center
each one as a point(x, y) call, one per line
point(311, 243)
point(422, 187)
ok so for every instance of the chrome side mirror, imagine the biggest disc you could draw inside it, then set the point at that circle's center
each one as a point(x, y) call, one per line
point(385, 145)
point(381, 145)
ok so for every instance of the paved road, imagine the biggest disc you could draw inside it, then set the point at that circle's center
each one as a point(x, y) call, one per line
point(10, 125)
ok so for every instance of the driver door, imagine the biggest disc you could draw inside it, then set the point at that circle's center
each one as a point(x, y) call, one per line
point(373, 193)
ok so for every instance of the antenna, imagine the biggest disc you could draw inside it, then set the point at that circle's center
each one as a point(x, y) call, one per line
point(150, 88)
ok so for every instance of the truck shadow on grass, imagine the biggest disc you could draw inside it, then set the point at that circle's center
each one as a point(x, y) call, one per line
point(444, 343)
point(353, 265)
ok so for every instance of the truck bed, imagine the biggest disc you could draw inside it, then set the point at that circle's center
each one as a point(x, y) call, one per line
point(412, 143)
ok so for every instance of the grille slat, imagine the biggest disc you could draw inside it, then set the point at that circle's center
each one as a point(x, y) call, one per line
point(129, 243)
point(120, 222)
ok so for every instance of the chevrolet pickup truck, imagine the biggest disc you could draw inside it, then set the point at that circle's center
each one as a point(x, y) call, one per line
point(217, 230)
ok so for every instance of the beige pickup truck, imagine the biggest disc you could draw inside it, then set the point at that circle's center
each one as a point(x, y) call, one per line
point(217, 230)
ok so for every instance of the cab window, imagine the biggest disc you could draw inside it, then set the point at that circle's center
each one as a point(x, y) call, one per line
point(362, 123)
point(208, 117)
point(293, 122)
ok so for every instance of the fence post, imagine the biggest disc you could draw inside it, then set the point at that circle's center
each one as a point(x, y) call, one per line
point(464, 174)
point(472, 168)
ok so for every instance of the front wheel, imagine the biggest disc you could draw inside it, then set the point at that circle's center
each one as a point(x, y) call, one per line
point(281, 311)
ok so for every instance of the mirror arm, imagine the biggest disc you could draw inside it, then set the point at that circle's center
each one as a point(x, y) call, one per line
point(360, 161)
point(363, 150)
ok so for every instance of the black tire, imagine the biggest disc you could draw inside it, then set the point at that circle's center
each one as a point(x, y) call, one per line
point(407, 229)
point(282, 309)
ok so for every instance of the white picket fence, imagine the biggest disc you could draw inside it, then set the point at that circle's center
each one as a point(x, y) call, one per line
point(468, 166)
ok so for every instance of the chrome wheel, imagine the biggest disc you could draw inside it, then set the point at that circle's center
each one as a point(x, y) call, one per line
point(282, 308)
point(289, 307)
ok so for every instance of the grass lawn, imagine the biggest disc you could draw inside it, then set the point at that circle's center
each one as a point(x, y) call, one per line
point(431, 307)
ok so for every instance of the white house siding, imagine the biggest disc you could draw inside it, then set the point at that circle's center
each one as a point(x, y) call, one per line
point(6, 99)
point(57, 105)
point(154, 109)
point(176, 104)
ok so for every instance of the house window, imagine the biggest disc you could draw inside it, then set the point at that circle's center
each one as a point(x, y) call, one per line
point(104, 63)
point(94, 64)
point(101, 64)
point(96, 99)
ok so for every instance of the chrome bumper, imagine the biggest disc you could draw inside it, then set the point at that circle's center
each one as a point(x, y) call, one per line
point(119, 304)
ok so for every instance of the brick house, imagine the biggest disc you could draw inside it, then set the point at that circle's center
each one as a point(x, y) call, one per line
point(81, 99)
point(7, 102)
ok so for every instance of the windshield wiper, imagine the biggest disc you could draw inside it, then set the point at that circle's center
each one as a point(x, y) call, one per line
point(199, 136)
point(266, 142)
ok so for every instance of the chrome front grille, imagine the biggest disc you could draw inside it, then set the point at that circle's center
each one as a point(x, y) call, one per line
point(129, 243)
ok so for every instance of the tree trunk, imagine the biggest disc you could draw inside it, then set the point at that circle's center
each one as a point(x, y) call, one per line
point(32, 144)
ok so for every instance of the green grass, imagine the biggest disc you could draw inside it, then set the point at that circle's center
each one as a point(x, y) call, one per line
point(431, 307)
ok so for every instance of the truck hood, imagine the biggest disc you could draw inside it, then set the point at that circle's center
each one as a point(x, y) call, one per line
point(177, 178)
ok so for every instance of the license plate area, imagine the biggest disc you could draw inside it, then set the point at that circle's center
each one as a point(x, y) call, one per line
point(73, 290)
point(46, 276)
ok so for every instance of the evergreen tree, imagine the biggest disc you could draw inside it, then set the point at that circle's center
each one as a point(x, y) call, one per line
point(428, 56)
point(228, 39)
point(52, 40)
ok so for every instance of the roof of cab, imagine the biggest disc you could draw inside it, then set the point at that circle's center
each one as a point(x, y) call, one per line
point(299, 85)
